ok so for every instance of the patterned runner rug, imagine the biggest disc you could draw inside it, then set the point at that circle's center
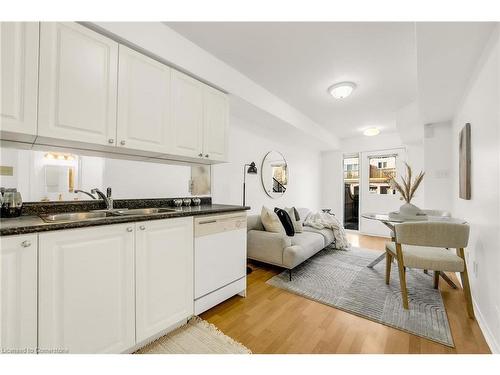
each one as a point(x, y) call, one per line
point(341, 279)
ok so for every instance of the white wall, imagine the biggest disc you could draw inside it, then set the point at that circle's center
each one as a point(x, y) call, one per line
point(437, 165)
point(21, 164)
point(332, 186)
point(139, 179)
point(480, 107)
point(250, 142)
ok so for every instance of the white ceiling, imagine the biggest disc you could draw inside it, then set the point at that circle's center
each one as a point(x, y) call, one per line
point(299, 61)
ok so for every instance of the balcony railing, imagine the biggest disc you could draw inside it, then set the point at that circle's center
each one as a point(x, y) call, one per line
point(382, 173)
point(375, 174)
point(351, 175)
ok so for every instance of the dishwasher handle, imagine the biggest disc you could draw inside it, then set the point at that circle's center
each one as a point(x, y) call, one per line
point(223, 223)
point(207, 222)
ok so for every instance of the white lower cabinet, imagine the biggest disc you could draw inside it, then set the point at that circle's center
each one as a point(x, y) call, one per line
point(86, 290)
point(18, 290)
point(164, 274)
point(107, 289)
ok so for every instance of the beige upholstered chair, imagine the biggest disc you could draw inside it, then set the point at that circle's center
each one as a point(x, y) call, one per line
point(427, 245)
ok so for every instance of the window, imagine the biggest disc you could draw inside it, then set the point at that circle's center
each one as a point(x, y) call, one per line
point(351, 168)
point(382, 168)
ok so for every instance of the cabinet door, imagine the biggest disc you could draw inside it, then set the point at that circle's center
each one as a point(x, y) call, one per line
point(78, 84)
point(164, 274)
point(86, 289)
point(19, 77)
point(143, 102)
point(18, 291)
point(215, 124)
point(187, 115)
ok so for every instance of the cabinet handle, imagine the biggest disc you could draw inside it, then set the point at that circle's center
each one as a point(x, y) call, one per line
point(200, 155)
point(122, 143)
point(207, 222)
point(130, 229)
point(142, 227)
point(206, 155)
point(25, 244)
point(111, 141)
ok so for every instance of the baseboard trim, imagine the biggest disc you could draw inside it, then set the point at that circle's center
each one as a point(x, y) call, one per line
point(374, 235)
point(488, 335)
point(483, 326)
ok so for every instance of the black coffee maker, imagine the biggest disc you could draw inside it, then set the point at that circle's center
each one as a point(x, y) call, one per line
point(12, 202)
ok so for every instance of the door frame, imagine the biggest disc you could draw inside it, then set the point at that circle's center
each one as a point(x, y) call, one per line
point(403, 149)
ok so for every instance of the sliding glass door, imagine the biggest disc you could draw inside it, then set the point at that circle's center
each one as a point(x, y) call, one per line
point(351, 192)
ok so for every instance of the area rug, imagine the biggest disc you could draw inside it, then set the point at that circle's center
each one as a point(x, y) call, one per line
point(342, 279)
point(196, 337)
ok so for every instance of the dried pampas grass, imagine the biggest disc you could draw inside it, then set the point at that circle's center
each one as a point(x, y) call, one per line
point(407, 187)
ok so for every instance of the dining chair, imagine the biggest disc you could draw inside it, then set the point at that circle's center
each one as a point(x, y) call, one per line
point(439, 213)
point(425, 245)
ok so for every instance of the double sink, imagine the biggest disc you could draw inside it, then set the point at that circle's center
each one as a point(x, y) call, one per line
point(100, 214)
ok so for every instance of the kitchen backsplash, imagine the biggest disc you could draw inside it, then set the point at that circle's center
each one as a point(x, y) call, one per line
point(54, 176)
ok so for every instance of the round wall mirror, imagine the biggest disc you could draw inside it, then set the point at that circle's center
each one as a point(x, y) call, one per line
point(274, 174)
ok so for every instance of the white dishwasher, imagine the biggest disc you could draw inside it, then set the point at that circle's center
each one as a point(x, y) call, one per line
point(220, 255)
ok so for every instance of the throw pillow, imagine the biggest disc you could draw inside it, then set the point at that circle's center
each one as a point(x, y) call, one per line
point(286, 221)
point(294, 215)
point(270, 221)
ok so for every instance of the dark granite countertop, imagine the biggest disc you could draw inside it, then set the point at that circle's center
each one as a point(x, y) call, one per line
point(34, 224)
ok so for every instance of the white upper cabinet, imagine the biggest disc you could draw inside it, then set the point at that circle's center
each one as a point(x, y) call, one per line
point(164, 274)
point(78, 84)
point(215, 124)
point(187, 116)
point(18, 293)
point(19, 79)
point(86, 289)
point(144, 107)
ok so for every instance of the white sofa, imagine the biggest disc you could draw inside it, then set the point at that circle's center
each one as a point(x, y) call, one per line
point(281, 250)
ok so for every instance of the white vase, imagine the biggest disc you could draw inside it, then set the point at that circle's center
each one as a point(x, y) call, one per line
point(409, 210)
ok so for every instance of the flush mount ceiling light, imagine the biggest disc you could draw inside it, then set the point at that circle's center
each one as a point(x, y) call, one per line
point(342, 90)
point(370, 132)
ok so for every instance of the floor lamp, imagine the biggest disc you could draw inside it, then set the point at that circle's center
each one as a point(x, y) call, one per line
point(252, 169)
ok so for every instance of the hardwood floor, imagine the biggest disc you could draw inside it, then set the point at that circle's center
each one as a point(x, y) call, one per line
point(271, 320)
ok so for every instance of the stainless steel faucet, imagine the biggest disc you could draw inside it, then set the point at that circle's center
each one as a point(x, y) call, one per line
point(84, 192)
point(105, 197)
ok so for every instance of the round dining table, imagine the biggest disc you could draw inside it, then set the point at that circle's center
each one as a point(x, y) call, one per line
point(391, 220)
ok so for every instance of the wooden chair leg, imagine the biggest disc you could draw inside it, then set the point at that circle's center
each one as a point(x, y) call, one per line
point(466, 286)
point(436, 279)
point(388, 264)
point(402, 276)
